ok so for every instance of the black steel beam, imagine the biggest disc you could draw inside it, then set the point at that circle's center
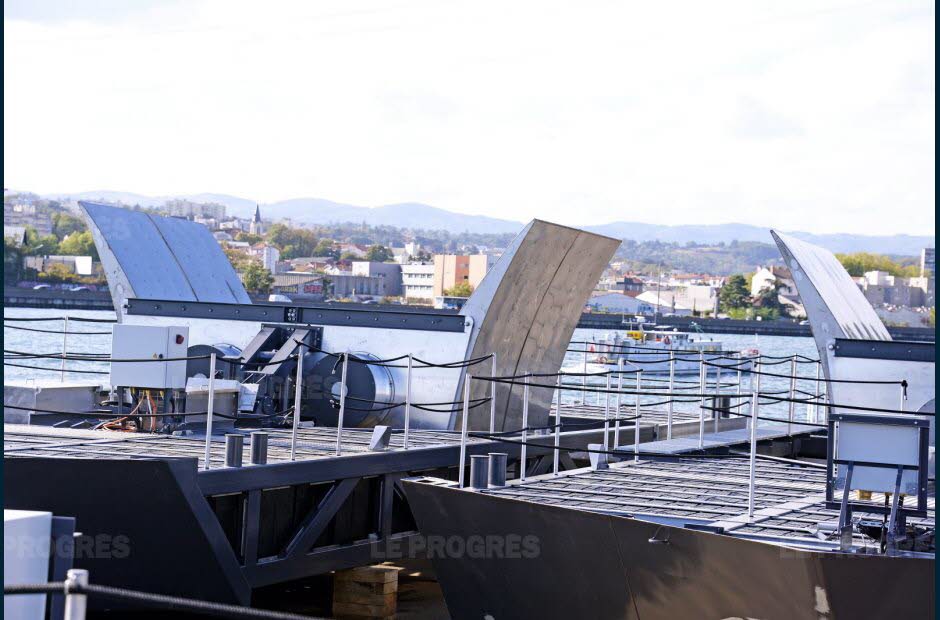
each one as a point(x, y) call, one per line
point(899, 350)
point(305, 315)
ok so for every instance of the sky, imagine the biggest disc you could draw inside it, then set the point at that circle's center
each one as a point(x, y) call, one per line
point(812, 115)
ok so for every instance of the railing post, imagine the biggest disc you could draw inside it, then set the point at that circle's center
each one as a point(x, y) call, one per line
point(752, 459)
point(298, 394)
point(65, 341)
point(525, 427)
point(715, 413)
point(210, 406)
point(463, 430)
point(636, 423)
point(75, 603)
point(493, 397)
point(701, 409)
point(607, 414)
point(792, 404)
point(584, 377)
point(407, 401)
point(617, 402)
point(342, 405)
point(672, 394)
point(817, 398)
point(557, 424)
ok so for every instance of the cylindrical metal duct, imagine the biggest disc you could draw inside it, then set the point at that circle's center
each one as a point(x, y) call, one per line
point(370, 391)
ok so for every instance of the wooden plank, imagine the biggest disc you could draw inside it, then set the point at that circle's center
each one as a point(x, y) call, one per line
point(364, 588)
point(369, 574)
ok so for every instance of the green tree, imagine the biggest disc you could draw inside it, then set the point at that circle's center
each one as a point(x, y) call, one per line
point(79, 244)
point(379, 254)
point(40, 246)
point(64, 224)
point(325, 248)
point(249, 238)
point(256, 278)
point(12, 261)
point(734, 294)
point(860, 262)
point(57, 272)
point(461, 289)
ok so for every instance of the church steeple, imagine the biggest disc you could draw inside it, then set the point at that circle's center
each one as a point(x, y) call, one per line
point(256, 227)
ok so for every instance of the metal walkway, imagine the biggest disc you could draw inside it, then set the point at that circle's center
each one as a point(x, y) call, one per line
point(721, 439)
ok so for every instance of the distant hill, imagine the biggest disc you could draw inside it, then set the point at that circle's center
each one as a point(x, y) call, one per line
point(426, 217)
point(904, 245)
point(404, 215)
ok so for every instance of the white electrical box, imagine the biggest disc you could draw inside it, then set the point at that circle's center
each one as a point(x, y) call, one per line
point(142, 342)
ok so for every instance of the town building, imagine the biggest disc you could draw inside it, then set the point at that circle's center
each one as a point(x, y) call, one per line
point(17, 234)
point(452, 269)
point(267, 254)
point(191, 210)
point(882, 288)
point(28, 215)
point(928, 262)
point(417, 281)
point(79, 265)
point(391, 272)
point(631, 286)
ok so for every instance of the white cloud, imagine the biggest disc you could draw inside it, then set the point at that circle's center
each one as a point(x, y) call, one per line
point(802, 115)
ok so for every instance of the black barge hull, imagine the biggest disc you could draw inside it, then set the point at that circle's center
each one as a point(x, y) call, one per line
point(562, 563)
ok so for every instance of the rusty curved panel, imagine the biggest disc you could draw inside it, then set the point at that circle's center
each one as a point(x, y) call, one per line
point(525, 311)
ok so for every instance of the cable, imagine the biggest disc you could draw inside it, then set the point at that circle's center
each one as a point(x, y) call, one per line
point(175, 603)
point(54, 331)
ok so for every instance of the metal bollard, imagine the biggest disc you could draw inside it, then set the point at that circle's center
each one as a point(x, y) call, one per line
point(234, 447)
point(75, 604)
point(557, 450)
point(259, 448)
point(497, 469)
point(298, 393)
point(342, 405)
point(479, 471)
point(407, 401)
point(210, 407)
point(525, 428)
point(463, 431)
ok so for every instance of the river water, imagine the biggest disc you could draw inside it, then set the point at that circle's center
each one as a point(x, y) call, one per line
point(95, 338)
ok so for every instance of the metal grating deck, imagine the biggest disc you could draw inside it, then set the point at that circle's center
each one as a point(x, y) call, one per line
point(312, 443)
point(789, 497)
